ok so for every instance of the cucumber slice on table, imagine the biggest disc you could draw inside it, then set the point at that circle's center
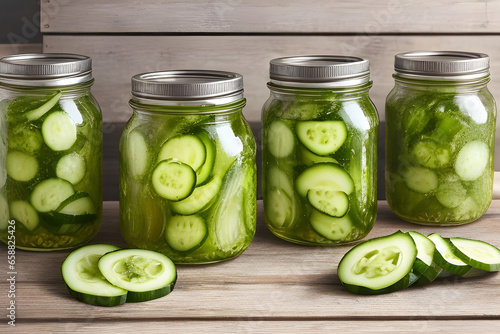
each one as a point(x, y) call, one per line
point(84, 279)
point(24, 213)
point(137, 153)
point(430, 154)
point(446, 258)
point(59, 131)
point(71, 167)
point(21, 166)
point(203, 174)
point(478, 254)
point(331, 202)
point(200, 199)
point(187, 149)
point(145, 274)
point(322, 137)
point(324, 176)
point(424, 263)
point(173, 180)
point(280, 139)
point(49, 194)
point(379, 265)
point(421, 180)
point(184, 233)
point(472, 160)
point(335, 229)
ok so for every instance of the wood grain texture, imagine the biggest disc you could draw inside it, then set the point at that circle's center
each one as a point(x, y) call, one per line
point(261, 16)
point(117, 58)
point(10, 49)
point(272, 280)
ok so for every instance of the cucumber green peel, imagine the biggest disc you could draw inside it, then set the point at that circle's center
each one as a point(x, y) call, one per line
point(394, 262)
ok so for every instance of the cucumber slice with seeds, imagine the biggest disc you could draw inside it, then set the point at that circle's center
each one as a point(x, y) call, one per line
point(21, 166)
point(472, 160)
point(280, 139)
point(477, 254)
point(421, 180)
point(187, 149)
point(145, 274)
point(173, 180)
point(446, 258)
point(49, 194)
point(379, 265)
point(184, 233)
point(71, 167)
point(59, 131)
point(84, 279)
point(430, 154)
point(451, 194)
point(24, 213)
point(279, 208)
point(324, 176)
point(322, 137)
point(200, 199)
point(331, 202)
point(335, 229)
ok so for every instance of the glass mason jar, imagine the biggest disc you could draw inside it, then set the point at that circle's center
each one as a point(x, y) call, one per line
point(319, 150)
point(50, 152)
point(187, 167)
point(440, 135)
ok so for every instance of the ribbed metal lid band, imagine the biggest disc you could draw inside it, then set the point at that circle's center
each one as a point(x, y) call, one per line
point(441, 62)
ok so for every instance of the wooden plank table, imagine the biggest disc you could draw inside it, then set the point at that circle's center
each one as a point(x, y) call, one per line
point(274, 286)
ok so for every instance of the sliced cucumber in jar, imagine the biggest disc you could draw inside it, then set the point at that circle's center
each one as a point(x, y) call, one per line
point(49, 194)
point(430, 154)
point(200, 198)
point(322, 137)
point(72, 168)
point(280, 139)
point(59, 131)
point(379, 265)
point(173, 180)
point(25, 138)
point(331, 202)
point(203, 174)
point(21, 166)
point(421, 180)
point(84, 279)
point(41, 110)
point(308, 158)
point(324, 175)
point(279, 208)
point(335, 229)
point(145, 274)
point(472, 160)
point(184, 233)
point(187, 149)
point(477, 254)
point(451, 194)
point(279, 178)
point(137, 153)
point(23, 212)
point(76, 209)
point(446, 258)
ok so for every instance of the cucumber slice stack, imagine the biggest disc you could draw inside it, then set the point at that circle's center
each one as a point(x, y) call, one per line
point(391, 263)
point(105, 275)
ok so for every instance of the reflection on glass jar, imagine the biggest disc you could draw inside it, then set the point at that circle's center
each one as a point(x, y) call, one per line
point(50, 152)
point(319, 150)
point(440, 134)
point(187, 167)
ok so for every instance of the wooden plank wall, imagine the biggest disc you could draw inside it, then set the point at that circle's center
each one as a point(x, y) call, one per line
point(126, 37)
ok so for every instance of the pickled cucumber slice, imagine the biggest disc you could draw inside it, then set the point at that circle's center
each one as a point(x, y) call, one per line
point(184, 233)
point(472, 160)
point(21, 166)
point(335, 229)
point(324, 176)
point(322, 137)
point(451, 194)
point(420, 180)
point(71, 167)
point(331, 202)
point(59, 131)
point(203, 174)
point(309, 158)
point(430, 154)
point(49, 194)
point(200, 199)
point(173, 180)
point(137, 153)
point(25, 138)
point(187, 149)
point(38, 112)
point(278, 208)
point(280, 139)
point(24, 213)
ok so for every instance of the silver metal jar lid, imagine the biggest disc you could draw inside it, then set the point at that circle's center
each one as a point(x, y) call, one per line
point(454, 65)
point(189, 87)
point(319, 71)
point(45, 69)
